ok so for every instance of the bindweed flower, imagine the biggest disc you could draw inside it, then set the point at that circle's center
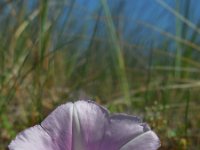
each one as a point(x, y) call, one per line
point(84, 125)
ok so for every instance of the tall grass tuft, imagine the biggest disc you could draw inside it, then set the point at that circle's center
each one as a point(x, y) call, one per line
point(118, 54)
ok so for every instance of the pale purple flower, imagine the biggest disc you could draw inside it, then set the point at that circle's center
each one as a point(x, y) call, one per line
point(84, 125)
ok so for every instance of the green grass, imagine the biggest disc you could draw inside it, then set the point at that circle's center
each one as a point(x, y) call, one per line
point(43, 65)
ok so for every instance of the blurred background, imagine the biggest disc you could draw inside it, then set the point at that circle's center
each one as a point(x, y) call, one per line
point(135, 56)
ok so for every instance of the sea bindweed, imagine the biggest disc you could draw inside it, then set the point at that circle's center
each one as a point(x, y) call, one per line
point(84, 125)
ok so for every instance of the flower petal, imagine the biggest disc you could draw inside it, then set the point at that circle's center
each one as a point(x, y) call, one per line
point(145, 141)
point(85, 125)
point(122, 128)
point(34, 138)
point(59, 125)
point(91, 120)
point(77, 126)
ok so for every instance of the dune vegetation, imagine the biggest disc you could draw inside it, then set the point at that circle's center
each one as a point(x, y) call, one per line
point(52, 52)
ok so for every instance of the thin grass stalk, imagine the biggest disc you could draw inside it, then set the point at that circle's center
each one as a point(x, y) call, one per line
point(170, 36)
point(42, 48)
point(178, 45)
point(186, 117)
point(149, 74)
point(184, 59)
point(178, 15)
point(118, 52)
point(12, 90)
point(43, 17)
point(68, 18)
point(91, 44)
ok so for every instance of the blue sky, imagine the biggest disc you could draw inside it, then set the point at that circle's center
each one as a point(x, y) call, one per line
point(132, 12)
